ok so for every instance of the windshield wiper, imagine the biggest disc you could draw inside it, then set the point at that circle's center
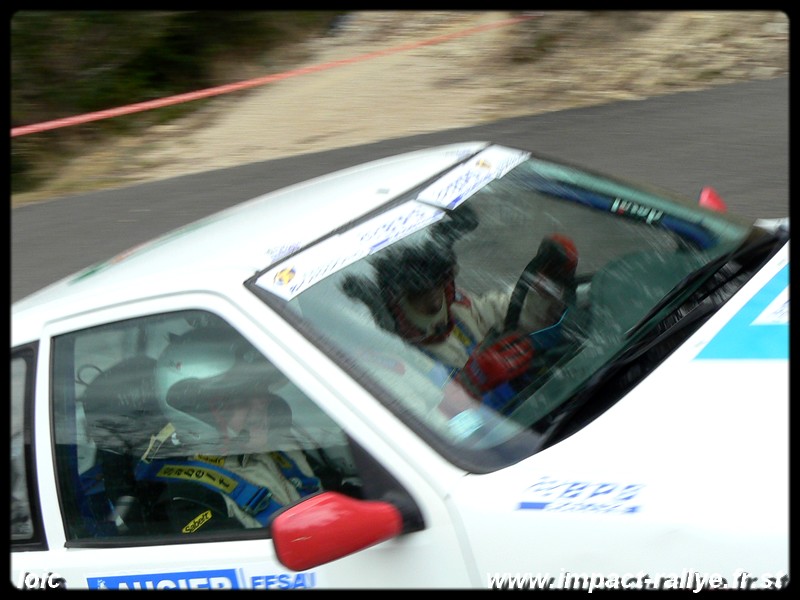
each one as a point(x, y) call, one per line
point(634, 352)
point(605, 374)
point(579, 400)
point(696, 277)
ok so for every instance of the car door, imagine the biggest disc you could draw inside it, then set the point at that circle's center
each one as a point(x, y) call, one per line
point(28, 538)
point(102, 525)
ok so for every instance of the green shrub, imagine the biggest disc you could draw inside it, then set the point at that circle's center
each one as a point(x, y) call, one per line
point(66, 63)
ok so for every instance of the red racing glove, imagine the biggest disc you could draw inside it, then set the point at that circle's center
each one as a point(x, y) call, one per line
point(496, 362)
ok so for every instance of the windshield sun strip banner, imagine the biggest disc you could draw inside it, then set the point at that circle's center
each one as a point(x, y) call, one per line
point(696, 232)
point(296, 274)
point(455, 186)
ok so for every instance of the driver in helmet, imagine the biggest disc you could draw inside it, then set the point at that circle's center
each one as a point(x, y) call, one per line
point(477, 339)
point(260, 450)
point(227, 452)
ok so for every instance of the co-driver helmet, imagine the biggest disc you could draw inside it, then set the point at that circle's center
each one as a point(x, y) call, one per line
point(199, 373)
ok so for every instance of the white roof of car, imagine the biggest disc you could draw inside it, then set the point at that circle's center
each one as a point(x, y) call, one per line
point(226, 248)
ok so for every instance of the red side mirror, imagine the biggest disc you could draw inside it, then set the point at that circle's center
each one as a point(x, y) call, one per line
point(330, 526)
point(709, 198)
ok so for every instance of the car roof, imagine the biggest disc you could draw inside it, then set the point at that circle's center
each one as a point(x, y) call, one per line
point(228, 247)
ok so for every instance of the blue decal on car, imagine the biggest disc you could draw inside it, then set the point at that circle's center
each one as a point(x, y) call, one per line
point(760, 329)
point(570, 495)
point(217, 579)
point(284, 581)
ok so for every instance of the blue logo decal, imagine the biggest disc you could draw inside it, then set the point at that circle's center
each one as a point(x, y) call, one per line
point(284, 581)
point(568, 495)
point(220, 579)
point(761, 327)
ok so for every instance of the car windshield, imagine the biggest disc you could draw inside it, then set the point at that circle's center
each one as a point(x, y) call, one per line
point(478, 305)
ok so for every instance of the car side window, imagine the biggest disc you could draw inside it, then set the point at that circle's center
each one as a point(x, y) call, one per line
point(174, 425)
point(24, 519)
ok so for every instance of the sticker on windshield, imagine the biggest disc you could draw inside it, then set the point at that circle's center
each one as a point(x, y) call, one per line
point(462, 182)
point(294, 275)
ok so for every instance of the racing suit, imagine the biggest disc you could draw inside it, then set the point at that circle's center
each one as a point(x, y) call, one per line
point(477, 356)
point(206, 490)
point(475, 317)
point(287, 475)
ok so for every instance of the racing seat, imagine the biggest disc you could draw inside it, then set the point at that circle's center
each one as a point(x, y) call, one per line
point(121, 411)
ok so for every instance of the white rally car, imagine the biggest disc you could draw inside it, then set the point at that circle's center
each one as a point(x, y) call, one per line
point(632, 433)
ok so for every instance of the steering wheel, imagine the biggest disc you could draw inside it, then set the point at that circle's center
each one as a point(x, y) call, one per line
point(521, 289)
point(555, 254)
point(556, 258)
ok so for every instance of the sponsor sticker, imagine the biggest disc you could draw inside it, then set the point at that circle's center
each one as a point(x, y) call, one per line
point(570, 495)
point(279, 252)
point(218, 579)
point(190, 473)
point(638, 211)
point(284, 581)
point(462, 182)
point(760, 329)
point(292, 276)
point(196, 523)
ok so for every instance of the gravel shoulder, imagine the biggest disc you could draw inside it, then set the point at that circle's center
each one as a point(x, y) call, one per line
point(581, 59)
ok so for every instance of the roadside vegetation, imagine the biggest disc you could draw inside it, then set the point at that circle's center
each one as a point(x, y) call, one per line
point(67, 63)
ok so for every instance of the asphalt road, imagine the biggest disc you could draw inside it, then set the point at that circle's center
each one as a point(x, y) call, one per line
point(735, 138)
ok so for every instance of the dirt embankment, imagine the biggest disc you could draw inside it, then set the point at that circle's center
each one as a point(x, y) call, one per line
point(552, 61)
